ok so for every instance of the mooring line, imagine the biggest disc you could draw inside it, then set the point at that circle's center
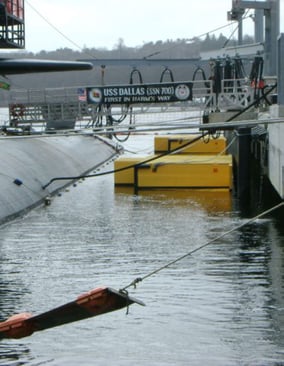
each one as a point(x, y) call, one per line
point(131, 166)
point(140, 279)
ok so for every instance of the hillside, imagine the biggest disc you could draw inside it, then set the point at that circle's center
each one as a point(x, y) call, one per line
point(115, 74)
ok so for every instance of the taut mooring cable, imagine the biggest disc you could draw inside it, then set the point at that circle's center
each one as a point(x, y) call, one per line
point(128, 166)
point(139, 279)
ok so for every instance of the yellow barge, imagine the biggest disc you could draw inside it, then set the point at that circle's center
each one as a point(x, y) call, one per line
point(175, 171)
point(188, 145)
point(203, 164)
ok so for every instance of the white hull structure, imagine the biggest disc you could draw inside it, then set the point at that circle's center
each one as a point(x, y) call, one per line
point(276, 150)
point(28, 163)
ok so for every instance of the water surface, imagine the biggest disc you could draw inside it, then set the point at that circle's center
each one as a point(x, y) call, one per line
point(223, 305)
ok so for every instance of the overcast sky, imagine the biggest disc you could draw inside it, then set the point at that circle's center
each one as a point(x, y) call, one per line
point(75, 24)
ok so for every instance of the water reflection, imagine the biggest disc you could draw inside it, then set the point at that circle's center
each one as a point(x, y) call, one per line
point(221, 306)
point(13, 354)
point(12, 290)
point(213, 201)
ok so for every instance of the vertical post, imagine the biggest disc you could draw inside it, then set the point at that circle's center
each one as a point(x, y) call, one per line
point(280, 69)
point(103, 67)
point(243, 163)
point(272, 30)
point(258, 26)
point(240, 29)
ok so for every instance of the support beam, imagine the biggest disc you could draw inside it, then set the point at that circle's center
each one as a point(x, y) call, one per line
point(271, 11)
point(243, 4)
point(280, 69)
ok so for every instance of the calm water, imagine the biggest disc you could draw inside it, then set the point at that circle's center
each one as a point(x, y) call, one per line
point(224, 305)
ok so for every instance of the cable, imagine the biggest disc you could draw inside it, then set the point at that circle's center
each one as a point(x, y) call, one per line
point(150, 274)
point(191, 39)
point(201, 70)
point(129, 109)
point(19, 183)
point(234, 31)
point(215, 30)
point(124, 168)
point(138, 73)
point(170, 122)
point(58, 30)
point(255, 102)
point(165, 72)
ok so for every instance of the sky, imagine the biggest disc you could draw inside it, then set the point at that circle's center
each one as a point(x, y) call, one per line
point(77, 24)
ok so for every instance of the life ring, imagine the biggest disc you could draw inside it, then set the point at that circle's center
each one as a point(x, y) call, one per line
point(17, 110)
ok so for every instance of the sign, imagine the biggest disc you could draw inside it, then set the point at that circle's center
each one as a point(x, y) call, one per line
point(140, 93)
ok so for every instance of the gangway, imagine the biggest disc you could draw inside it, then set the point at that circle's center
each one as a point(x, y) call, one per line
point(59, 107)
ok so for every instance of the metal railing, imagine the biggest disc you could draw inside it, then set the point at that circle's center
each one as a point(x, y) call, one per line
point(62, 104)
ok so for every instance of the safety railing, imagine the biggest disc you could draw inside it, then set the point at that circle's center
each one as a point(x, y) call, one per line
point(57, 104)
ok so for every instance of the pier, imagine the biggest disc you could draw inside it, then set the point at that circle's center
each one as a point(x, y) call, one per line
point(249, 111)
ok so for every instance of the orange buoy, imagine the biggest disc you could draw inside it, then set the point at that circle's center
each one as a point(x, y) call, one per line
point(16, 326)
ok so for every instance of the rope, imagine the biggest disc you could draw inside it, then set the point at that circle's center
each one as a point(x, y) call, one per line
point(192, 39)
point(150, 274)
point(126, 167)
point(82, 49)
point(255, 102)
point(165, 72)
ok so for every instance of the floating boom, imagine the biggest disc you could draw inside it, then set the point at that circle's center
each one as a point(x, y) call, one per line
point(95, 302)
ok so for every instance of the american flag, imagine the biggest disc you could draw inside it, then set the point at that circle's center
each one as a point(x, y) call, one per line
point(82, 95)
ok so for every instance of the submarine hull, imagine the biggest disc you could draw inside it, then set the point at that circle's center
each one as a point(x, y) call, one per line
point(28, 163)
